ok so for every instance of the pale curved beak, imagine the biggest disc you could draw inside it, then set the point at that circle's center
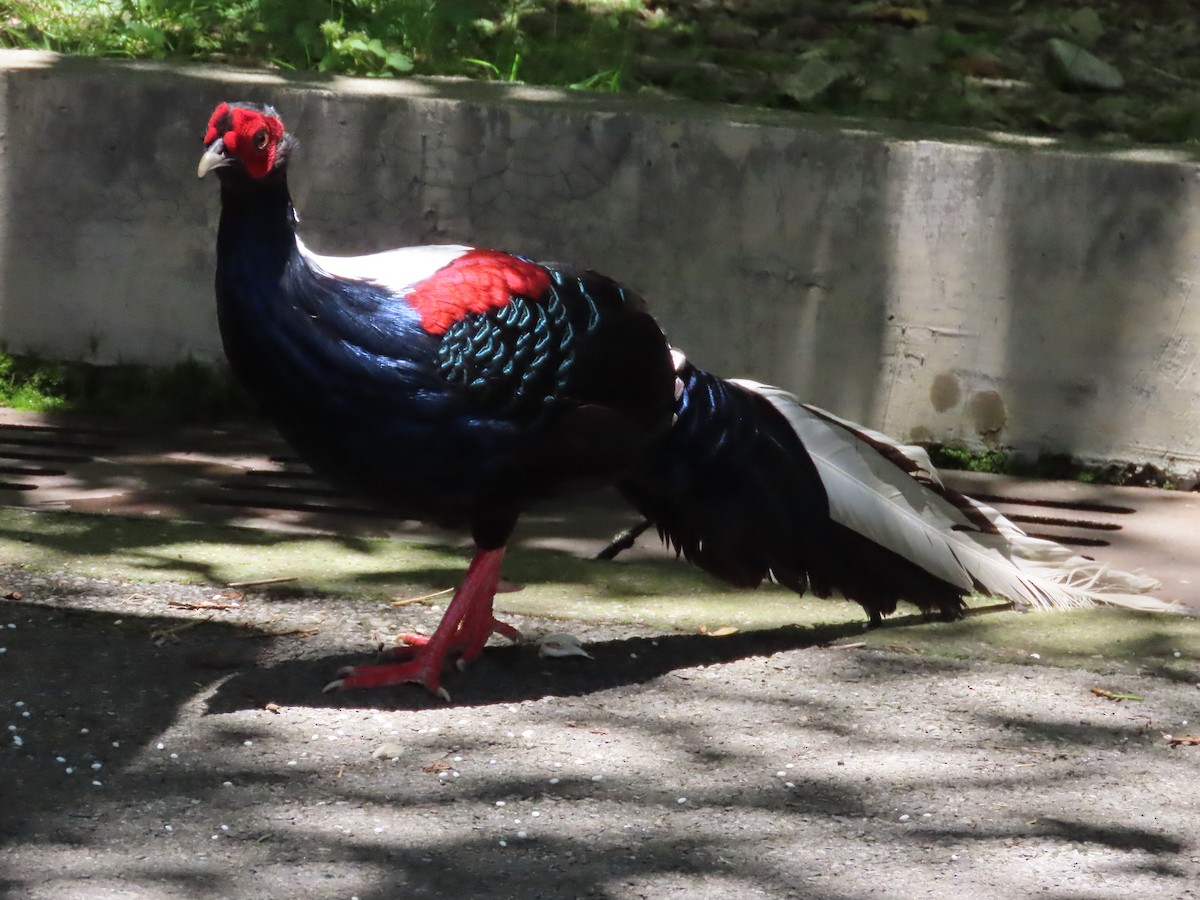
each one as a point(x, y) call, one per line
point(214, 157)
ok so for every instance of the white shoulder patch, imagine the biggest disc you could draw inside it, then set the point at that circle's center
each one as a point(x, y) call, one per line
point(395, 270)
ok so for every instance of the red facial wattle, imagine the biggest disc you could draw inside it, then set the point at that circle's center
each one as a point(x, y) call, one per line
point(253, 137)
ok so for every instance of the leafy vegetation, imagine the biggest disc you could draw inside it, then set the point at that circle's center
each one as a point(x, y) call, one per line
point(186, 393)
point(996, 64)
point(1055, 466)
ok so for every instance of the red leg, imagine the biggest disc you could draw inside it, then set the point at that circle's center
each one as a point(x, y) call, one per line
point(465, 628)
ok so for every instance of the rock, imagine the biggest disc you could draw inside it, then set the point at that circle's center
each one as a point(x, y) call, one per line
point(811, 80)
point(730, 34)
point(1085, 26)
point(1073, 67)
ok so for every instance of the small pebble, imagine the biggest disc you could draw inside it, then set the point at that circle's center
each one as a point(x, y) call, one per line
point(554, 781)
point(17, 741)
point(159, 746)
point(25, 713)
point(904, 818)
point(790, 784)
point(226, 784)
point(681, 800)
point(522, 835)
point(97, 784)
point(535, 813)
point(249, 743)
point(174, 756)
point(84, 730)
point(597, 778)
point(1177, 654)
point(168, 828)
point(69, 770)
point(96, 767)
point(504, 843)
point(499, 802)
point(1035, 656)
point(61, 759)
point(116, 743)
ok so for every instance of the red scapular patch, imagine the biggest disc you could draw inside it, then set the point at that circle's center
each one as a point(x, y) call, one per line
point(476, 282)
point(252, 139)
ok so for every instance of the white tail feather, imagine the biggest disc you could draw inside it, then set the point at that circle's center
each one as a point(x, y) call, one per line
point(910, 514)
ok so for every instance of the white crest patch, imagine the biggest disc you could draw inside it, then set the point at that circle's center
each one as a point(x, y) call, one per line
point(394, 270)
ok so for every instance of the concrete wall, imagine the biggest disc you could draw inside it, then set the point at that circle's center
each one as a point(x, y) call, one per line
point(962, 290)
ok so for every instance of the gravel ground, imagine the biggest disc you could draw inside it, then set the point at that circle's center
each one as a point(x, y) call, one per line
point(195, 756)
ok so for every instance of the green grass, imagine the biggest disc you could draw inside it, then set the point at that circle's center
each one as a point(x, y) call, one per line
point(186, 393)
point(584, 43)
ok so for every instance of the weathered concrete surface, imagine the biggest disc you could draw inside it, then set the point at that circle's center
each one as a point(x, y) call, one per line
point(959, 290)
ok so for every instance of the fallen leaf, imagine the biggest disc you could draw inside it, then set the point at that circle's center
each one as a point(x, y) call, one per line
point(1188, 740)
point(723, 631)
point(1100, 692)
point(13, 595)
point(908, 16)
point(434, 767)
point(273, 707)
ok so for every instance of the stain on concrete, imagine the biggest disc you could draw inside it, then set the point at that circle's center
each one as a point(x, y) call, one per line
point(945, 392)
point(987, 412)
point(919, 434)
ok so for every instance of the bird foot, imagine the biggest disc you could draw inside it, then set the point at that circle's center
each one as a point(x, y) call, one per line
point(419, 670)
point(418, 663)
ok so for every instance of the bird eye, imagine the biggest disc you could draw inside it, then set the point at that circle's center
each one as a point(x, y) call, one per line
point(260, 140)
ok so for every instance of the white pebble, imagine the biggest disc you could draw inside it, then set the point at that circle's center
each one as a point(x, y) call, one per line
point(499, 802)
point(159, 746)
point(25, 713)
point(61, 759)
point(3, 649)
point(215, 836)
point(953, 857)
point(1178, 654)
point(527, 733)
point(96, 767)
point(19, 703)
point(84, 730)
point(681, 800)
point(116, 743)
point(522, 835)
point(251, 743)
point(174, 756)
point(926, 815)
point(504, 843)
point(68, 770)
point(226, 784)
point(554, 781)
point(17, 741)
point(904, 818)
point(118, 621)
point(780, 774)
point(1035, 656)
point(97, 784)
point(597, 778)
point(12, 727)
point(535, 813)
point(790, 784)
point(378, 830)
point(168, 828)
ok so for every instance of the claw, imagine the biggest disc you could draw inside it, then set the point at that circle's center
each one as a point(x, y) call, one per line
point(461, 664)
point(334, 686)
point(444, 694)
